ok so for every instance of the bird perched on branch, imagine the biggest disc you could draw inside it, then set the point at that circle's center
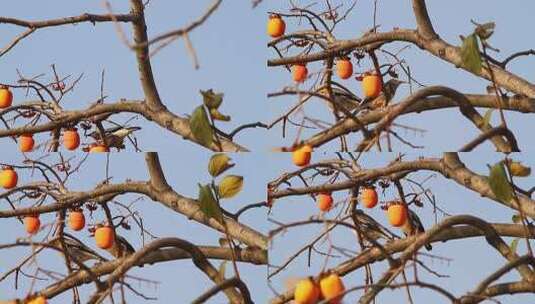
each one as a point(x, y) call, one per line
point(351, 103)
point(370, 227)
point(121, 247)
point(381, 101)
point(414, 226)
point(342, 99)
point(76, 249)
point(114, 136)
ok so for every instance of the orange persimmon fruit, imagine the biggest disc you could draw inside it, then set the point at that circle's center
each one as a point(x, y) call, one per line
point(76, 220)
point(368, 197)
point(344, 68)
point(299, 72)
point(32, 223)
point(325, 201)
point(372, 86)
point(397, 214)
point(71, 139)
point(332, 288)
point(6, 97)
point(26, 143)
point(8, 178)
point(302, 155)
point(276, 26)
point(306, 292)
point(99, 148)
point(104, 237)
point(38, 300)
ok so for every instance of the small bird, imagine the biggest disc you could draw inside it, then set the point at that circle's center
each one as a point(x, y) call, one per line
point(121, 247)
point(381, 101)
point(342, 99)
point(114, 136)
point(413, 226)
point(370, 227)
point(76, 249)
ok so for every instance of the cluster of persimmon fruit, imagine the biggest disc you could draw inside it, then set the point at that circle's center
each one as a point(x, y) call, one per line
point(26, 142)
point(368, 198)
point(329, 288)
point(372, 84)
point(104, 235)
point(397, 211)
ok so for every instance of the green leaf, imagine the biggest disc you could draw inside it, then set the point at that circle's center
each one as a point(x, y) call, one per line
point(218, 164)
point(487, 117)
point(470, 55)
point(516, 218)
point(200, 126)
point(499, 184)
point(230, 186)
point(514, 245)
point(212, 100)
point(209, 205)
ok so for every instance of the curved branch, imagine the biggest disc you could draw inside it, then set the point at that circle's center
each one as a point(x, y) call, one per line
point(505, 288)
point(191, 208)
point(501, 130)
point(436, 47)
point(425, 27)
point(464, 106)
point(491, 235)
point(519, 104)
point(374, 254)
point(197, 256)
point(450, 167)
point(163, 118)
point(225, 284)
point(476, 295)
point(455, 169)
point(80, 277)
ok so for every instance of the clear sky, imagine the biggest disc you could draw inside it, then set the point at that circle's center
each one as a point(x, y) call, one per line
point(231, 47)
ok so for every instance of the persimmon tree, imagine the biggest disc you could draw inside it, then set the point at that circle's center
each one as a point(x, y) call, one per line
point(107, 211)
point(387, 251)
point(46, 108)
point(361, 119)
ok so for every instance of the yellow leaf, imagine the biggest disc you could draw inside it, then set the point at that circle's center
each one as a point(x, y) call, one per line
point(230, 186)
point(517, 169)
point(216, 115)
point(218, 164)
